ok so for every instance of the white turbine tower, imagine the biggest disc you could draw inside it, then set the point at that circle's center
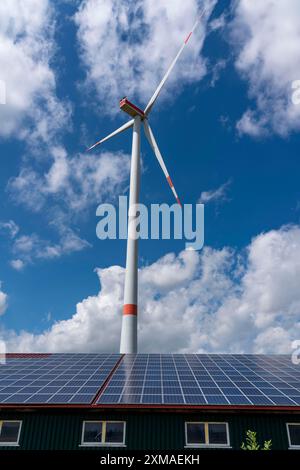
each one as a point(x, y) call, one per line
point(130, 309)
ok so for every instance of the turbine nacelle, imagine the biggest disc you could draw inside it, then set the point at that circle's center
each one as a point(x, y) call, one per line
point(130, 108)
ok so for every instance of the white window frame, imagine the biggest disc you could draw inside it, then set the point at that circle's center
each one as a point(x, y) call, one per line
point(207, 444)
point(292, 446)
point(103, 443)
point(15, 443)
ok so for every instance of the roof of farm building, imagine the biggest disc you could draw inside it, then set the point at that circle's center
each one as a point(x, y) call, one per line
point(149, 380)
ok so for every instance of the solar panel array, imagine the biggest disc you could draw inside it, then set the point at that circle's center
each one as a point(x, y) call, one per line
point(56, 379)
point(150, 379)
point(200, 379)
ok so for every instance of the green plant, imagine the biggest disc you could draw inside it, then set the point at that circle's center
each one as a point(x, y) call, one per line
point(252, 444)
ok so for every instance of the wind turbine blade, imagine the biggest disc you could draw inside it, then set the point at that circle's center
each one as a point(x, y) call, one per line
point(160, 86)
point(117, 131)
point(152, 142)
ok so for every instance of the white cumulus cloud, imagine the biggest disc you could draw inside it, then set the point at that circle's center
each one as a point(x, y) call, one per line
point(9, 227)
point(67, 188)
point(77, 181)
point(193, 302)
point(266, 35)
point(17, 264)
point(30, 248)
point(219, 194)
point(3, 300)
point(126, 46)
point(32, 109)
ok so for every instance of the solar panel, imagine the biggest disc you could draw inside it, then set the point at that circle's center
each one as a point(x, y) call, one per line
point(150, 379)
point(56, 378)
point(204, 379)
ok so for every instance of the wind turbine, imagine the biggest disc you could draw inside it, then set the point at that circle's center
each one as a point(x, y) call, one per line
point(128, 343)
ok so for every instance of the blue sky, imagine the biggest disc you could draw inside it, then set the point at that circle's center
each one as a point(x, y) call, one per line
point(229, 133)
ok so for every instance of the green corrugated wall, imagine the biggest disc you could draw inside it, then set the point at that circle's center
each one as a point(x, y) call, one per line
point(144, 430)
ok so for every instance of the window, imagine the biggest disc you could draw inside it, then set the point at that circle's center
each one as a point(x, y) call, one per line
point(92, 432)
point(10, 433)
point(114, 432)
point(294, 434)
point(103, 433)
point(195, 433)
point(207, 434)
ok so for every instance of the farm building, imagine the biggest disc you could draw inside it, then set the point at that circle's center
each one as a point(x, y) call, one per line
point(147, 401)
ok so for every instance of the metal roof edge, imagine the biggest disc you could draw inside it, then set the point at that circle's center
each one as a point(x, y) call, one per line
point(133, 407)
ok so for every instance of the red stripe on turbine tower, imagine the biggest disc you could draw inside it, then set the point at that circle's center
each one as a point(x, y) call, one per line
point(130, 309)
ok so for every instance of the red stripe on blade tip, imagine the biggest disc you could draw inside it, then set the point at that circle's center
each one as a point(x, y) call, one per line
point(188, 37)
point(178, 201)
point(93, 146)
point(170, 181)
